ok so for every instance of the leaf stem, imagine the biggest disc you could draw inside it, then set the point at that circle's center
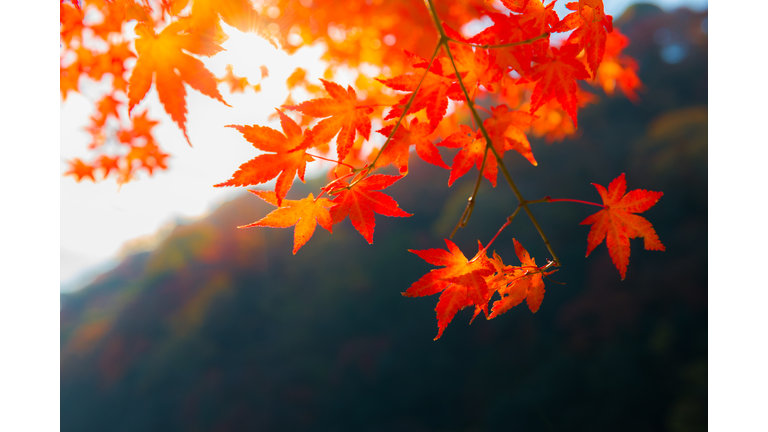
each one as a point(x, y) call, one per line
point(335, 161)
point(548, 199)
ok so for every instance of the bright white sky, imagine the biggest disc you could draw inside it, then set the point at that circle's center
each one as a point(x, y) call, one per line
point(97, 219)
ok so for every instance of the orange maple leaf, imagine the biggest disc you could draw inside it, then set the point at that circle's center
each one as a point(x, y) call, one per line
point(618, 223)
point(516, 284)
point(508, 29)
point(108, 164)
point(305, 214)
point(506, 126)
point(236, 84)
point(361, 201)
point(163, 56)
point(149, 157)
point(398, 149)
point(477, 67)
point(289, 157)
point(432, 95)
point(71, 19)
point(141, 127)
point(618, 70)
point(107, 106)
point(80, 170)
point(461, 282)
point(345, 114)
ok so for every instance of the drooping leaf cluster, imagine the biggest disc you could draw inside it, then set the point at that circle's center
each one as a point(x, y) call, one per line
point(428, 78)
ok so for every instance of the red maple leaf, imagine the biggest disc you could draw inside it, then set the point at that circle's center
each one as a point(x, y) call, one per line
point(590, 26)
point(305, 214)
point(618, 223)
point(472, 151)
point(555, 77)
point(508, 29)
point(505, 130)
point(361, 201)
point(345, 115)
point(289, 157)
point(398, 149)
point(535, 18)
point(461, 282)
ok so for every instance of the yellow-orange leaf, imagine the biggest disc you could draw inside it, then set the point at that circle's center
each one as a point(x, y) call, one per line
point(344, 114)
point(516, 284)
point(289, 157)
point(162, 59)
point(305, 214)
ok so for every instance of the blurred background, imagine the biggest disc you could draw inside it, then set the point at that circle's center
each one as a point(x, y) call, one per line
point(205, 327)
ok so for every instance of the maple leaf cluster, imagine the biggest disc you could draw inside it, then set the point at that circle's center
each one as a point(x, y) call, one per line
point(522, 81)
point(473, 282)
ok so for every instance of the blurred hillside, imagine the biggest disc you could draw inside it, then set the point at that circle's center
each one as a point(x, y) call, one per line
point(220, 329)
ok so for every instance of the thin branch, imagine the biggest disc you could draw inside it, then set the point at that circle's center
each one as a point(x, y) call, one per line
point(506, 45)
point(444, 43)
point(525, 207)
point(402, 116)
point(328, 186)
point(464, 220)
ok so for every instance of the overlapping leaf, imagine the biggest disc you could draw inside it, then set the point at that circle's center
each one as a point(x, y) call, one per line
point(289, 157)
point(462, 281)
point(506, 126)
point(472, 146)
point(535, 18)
point(555, 77)
point(432, 95)
point(361, 202)
point(345, 116)
point(618, 223)
point(477, 66)
point(508, 29)
point(516, 284)
point(590, 26)
point(305, 214)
